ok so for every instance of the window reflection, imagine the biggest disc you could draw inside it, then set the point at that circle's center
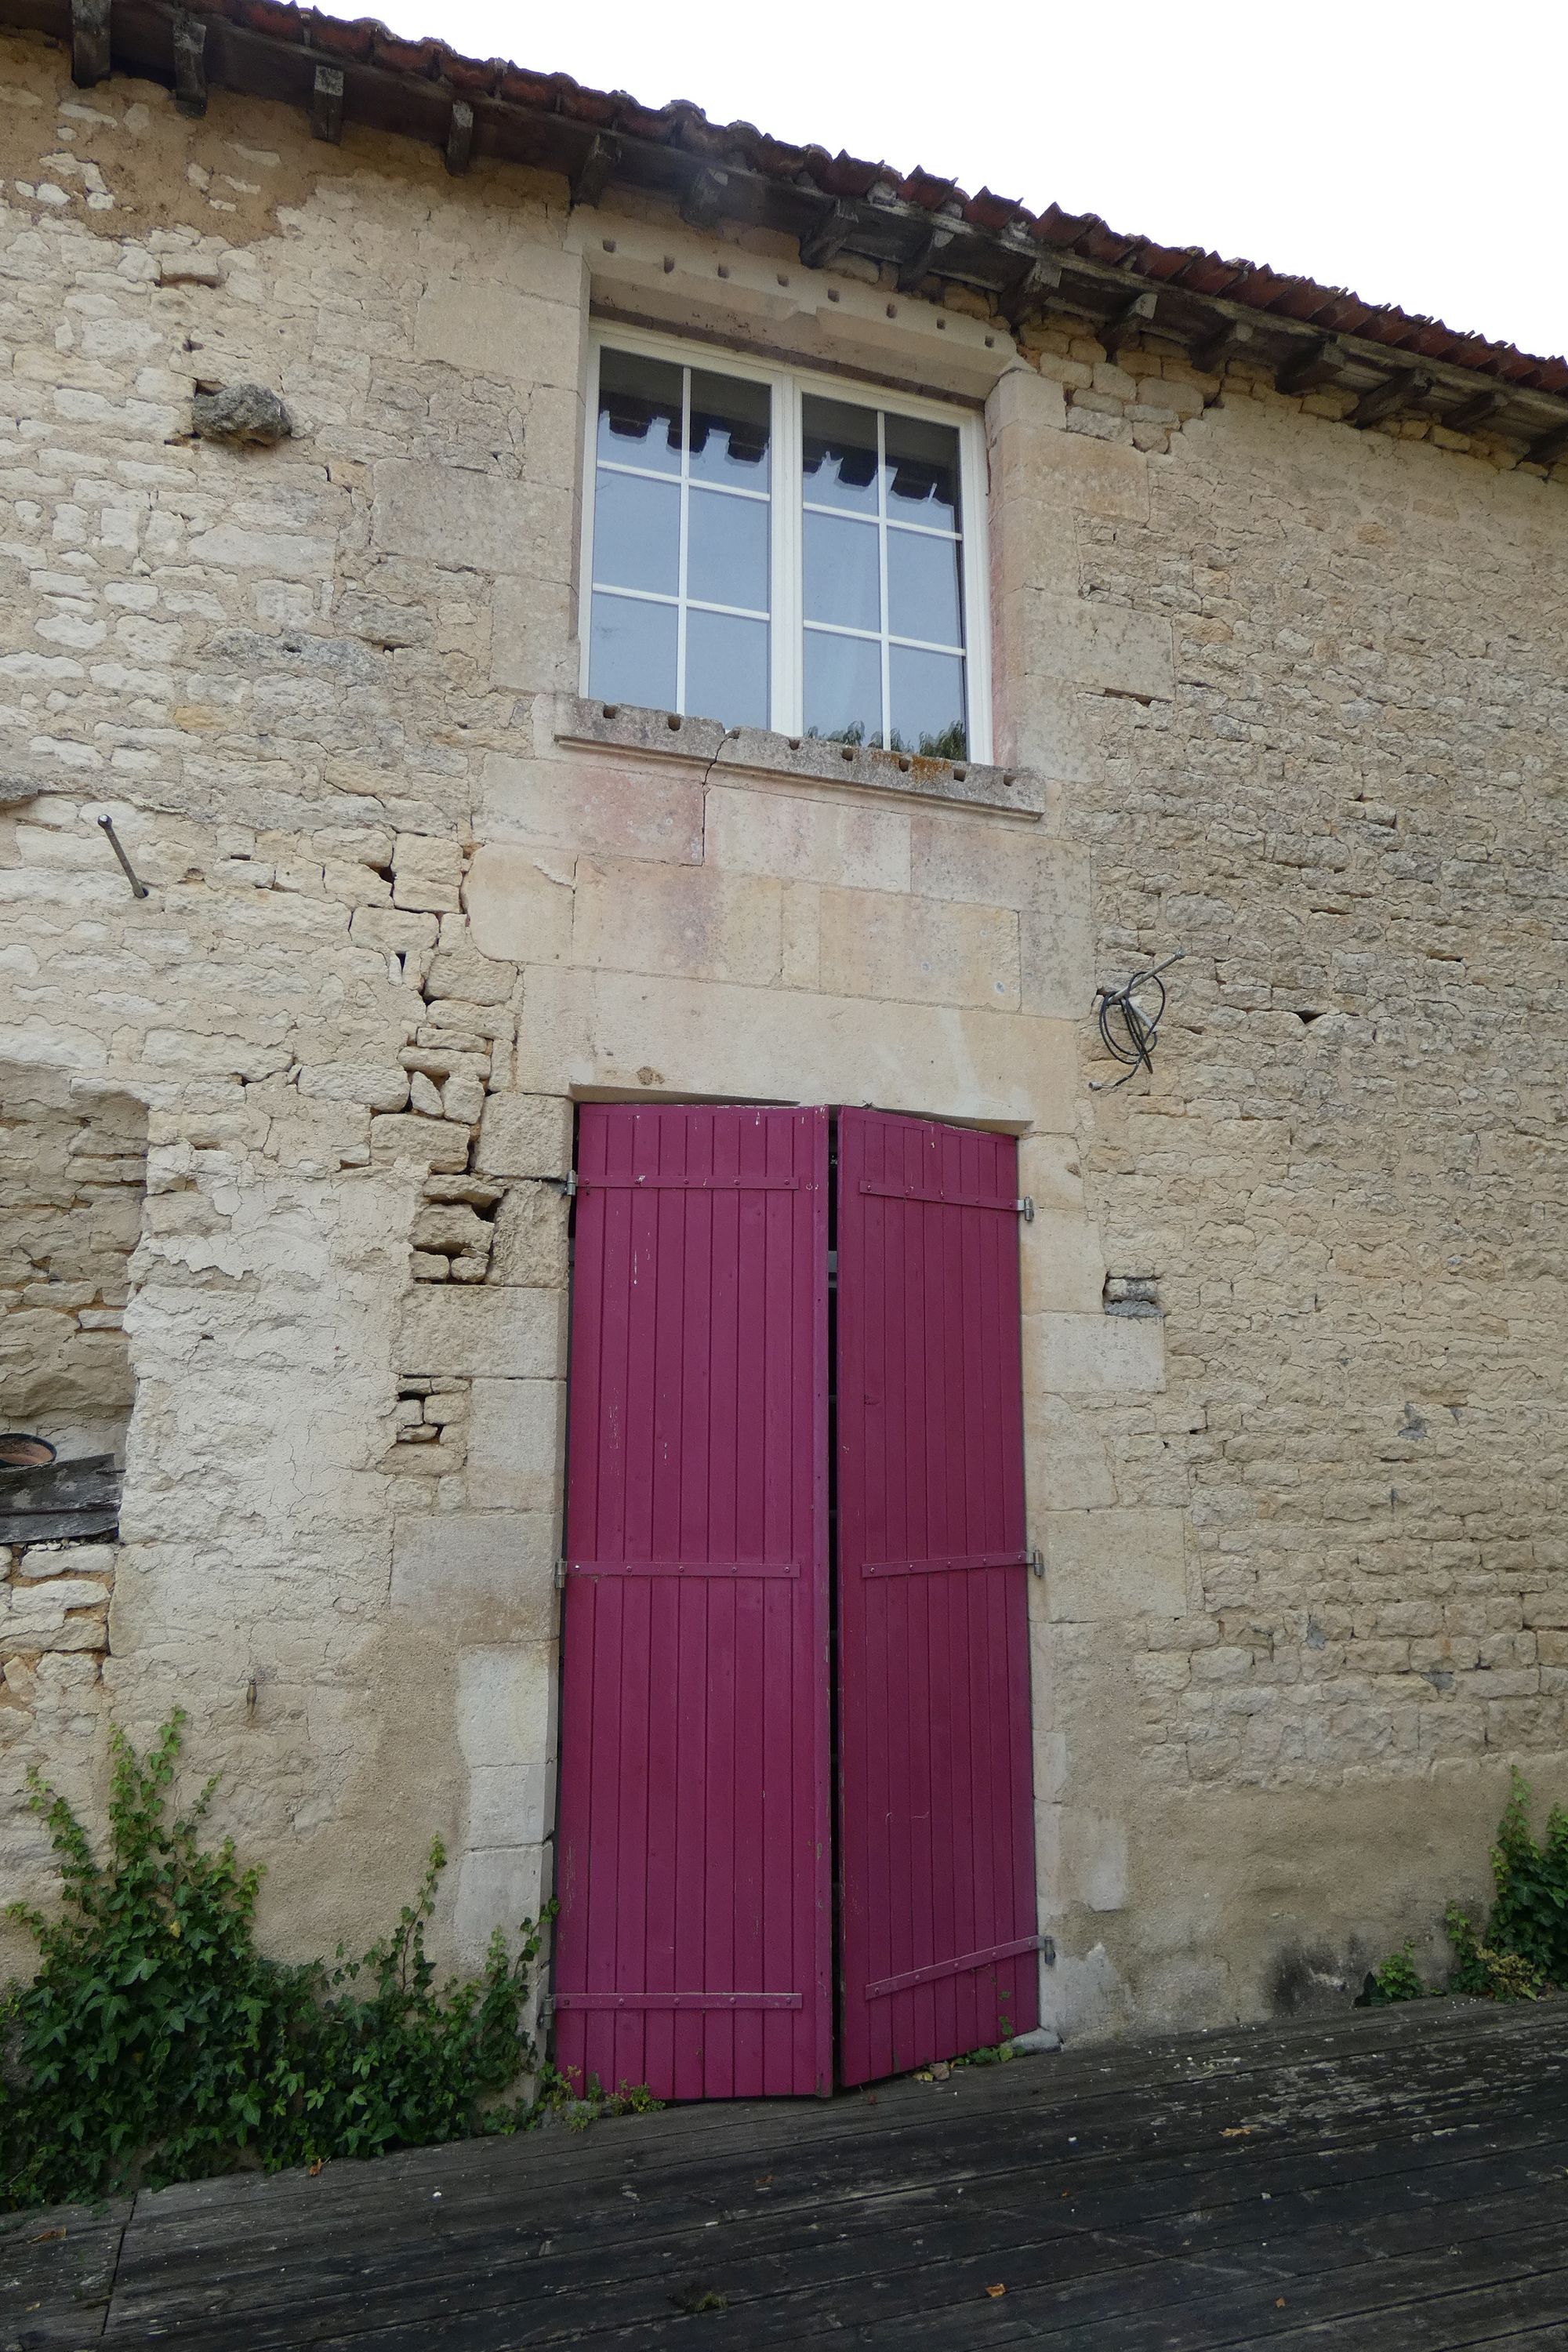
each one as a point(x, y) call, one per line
point(927, 694)
point(842, 571)
point(639, 411)
point(681, 525)
point(922, 588)
point(838, 454)
point(727, 551)
point(921, 472)
point(637, 533)
point(631, 652)
point(727, 668)
point(682, 557)
point(881, 555)
point(842, 688)
point(731, 429)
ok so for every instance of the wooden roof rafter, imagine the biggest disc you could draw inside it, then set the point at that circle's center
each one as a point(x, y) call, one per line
point(923, 230)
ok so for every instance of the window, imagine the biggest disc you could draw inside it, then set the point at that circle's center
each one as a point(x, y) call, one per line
point(771, 549)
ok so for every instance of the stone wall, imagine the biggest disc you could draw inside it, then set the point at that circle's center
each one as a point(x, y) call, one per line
point(72, 1175)
point(1279, 694)
point(1313, 1584)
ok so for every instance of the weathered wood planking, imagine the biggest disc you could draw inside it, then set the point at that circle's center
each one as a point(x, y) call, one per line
point(1386, 2180)
point(56, 2272)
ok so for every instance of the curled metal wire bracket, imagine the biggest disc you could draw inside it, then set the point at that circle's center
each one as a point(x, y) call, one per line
point(1140, 1031)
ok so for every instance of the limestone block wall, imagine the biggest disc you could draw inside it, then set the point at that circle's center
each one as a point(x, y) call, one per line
point(1307, 1598)
point(1281, 695)
point(72, 1176)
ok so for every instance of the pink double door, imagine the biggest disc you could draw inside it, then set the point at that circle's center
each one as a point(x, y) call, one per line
point(795, 1842)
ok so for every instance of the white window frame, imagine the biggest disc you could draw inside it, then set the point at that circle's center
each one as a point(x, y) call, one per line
point(790, 387)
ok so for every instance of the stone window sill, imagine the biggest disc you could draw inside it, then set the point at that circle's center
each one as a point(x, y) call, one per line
point(659, 734)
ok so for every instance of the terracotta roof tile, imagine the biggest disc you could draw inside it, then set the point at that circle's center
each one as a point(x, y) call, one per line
point(685, 129)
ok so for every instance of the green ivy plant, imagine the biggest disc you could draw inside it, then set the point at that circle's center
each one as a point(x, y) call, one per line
point(1522, 1950)
point(157, 2043)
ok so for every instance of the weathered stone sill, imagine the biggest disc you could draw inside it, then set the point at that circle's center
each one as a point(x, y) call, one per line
point(660, 734)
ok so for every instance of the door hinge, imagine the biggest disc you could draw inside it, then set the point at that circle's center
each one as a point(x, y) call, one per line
point(1038, 1562)
point(1026, 1209)
point(567, 1184)
point(560, 1575)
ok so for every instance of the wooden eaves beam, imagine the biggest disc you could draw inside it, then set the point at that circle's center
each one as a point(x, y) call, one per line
point(1023, 278)
point(1132, 319)
point(1406, 389)
point(190, 63)
point(459, 137)
point(1322, 362)
point(601, 162)
point(89, 42)
point(1212, 355)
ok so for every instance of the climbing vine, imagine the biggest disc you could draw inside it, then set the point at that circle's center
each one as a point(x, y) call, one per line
point(1521, 1951)
point(157, 2043)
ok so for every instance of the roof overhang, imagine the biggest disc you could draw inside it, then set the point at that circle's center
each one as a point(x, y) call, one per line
point(924, 230)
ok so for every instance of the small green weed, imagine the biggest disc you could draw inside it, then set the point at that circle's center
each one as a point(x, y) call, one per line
point(1397, 1980)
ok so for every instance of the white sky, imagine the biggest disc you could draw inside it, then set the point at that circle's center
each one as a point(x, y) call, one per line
point(1411, 150)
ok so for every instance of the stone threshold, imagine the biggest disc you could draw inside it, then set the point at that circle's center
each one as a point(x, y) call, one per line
point(754, 750)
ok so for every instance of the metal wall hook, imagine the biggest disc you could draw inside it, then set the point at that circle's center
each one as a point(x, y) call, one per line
point(139, 888)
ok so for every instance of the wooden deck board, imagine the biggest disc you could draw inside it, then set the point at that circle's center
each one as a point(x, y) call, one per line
point(1385, 2179)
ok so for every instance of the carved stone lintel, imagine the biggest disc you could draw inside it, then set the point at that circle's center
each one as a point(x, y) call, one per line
point(327, 104)
point(190, 63)
point(459, 137)
point(89, 42)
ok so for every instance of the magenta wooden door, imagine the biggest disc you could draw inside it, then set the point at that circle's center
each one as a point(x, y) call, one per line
point(937, 1918)
point(693, 1949)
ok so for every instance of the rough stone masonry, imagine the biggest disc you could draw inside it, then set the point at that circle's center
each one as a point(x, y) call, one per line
point(281, 1141)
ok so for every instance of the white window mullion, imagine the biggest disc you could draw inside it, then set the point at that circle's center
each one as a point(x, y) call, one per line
point(785, 644)
point(584, 615)
point(975, 572)
point(685, 504)
point(882, 571)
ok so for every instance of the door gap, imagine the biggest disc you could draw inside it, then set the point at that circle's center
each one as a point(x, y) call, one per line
point(833, 1743)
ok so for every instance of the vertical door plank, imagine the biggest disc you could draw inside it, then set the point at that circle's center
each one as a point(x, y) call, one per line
point(936, 1830)
point(694, 1946)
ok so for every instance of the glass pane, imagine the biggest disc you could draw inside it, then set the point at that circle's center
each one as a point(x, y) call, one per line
point(923, 472)
point(639, 411)
point(727, 549)
point(636, 532)
point(843, 688)
point(727, 670)
point(922, 588)
point(843, 581)
point(631, 653)
point(927, 704)
point(839, 455)
point(729, 430)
